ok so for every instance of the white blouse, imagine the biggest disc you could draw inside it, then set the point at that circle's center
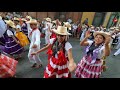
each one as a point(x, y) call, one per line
point(100, 53)
point(67, 46)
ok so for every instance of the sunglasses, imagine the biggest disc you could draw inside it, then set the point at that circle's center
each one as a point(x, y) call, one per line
point(61, 35)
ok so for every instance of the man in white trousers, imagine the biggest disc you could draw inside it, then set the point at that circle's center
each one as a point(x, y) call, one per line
point(35, 44)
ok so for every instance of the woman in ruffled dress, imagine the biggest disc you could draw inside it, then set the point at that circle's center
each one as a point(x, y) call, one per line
point(7, 66)
point(12, 44)
point(91, 65)
point(60, 60)
point(23, 39)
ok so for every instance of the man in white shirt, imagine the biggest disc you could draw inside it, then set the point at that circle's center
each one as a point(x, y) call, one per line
point(35, 44)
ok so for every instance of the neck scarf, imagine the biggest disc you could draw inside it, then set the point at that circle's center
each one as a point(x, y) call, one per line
point(32, 31)
point(94, 51)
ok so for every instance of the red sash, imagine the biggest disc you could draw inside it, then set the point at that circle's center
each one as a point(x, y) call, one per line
point(33, 30)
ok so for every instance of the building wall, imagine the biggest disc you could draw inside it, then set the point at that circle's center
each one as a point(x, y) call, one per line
point(69, 14)
point(75, 16)
point(106, 19)
point(89, 15)
point(41, 15)
point(51, 14)
point(32, 14)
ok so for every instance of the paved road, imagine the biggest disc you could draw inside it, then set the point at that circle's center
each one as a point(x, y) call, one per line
point(25, 71)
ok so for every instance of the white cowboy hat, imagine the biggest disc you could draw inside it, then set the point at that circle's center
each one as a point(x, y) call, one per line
point(29, 17)
point(23, 19)
point(112, 28)
point(48, 19)
point(61, 30)
point(10, 23)
point(98, 27)
point(68, 25)
point(33, 21)
point(92, 27)
point(16, 19)
point(117, 29)
point(105, 34)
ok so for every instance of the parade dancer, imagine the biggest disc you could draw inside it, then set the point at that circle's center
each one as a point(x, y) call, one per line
point(60, 60)
point(24, 26)
point(12, 44)
point(35, 44)
point(91, 65)
point(47, 29)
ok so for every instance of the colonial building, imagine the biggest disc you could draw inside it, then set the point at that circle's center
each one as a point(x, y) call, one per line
point(94, 18)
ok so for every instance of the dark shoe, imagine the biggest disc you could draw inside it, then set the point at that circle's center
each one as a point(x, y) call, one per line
point(34, 65)
point(39, 66)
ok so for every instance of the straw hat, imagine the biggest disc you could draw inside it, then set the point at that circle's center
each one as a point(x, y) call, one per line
point(33, 21)
point(98, 27)
point(117, 29)
point(105, 34)
point(112, 28)
point(91, 25)
point(68, 25)
point(10, 23)
point(29, 17)
point(61, 30)
point(83, 26)
point(23, 19)
point(48, 19)
point(16, 19)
